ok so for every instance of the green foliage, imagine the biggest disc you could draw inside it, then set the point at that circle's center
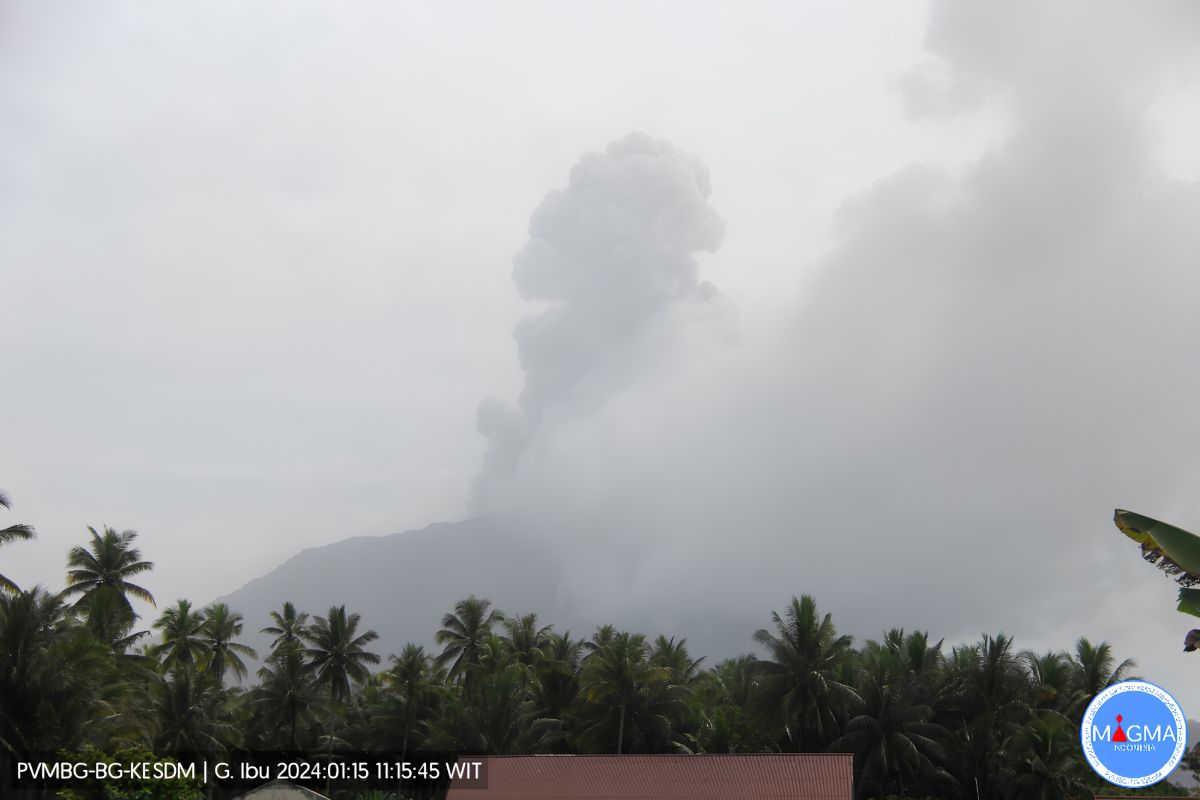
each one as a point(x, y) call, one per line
point(893, 733)
point(182, 644)
point(981, 721)
point(286, 701)
point(11, 533)
point(337, 652)
point(1173, 550)
point(462, 636)
point(628, 698)
point(98, 576)
point(800, 694)
point(222, 652)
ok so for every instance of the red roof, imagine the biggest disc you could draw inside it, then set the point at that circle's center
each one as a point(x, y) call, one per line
point(773, 776)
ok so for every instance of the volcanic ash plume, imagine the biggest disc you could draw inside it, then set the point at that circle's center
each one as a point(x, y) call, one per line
point(612, 256)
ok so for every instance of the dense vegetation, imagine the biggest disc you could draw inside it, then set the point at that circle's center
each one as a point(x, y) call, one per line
point(981, 720)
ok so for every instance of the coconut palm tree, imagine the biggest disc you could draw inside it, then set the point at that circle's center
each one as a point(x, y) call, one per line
point(183, 644)
point(289, 626)
point(798, 687)
point(553, 689)
point(725, 695)
point(11, 534)
point(286, 697)
point(416, 685)
point(193, 715)
point(918, 656)
point(995, 700)
point(99, 575)
point(55, 678)
point(526, 639)
point(674, 656)
point(221, 627)
point(736, 679)
point(621, 686)
point(489, 718)
point(338, 652)
point(896, 743)
point(603, 635)
point(108, 619)
point(1052, 675)
point(462, 636)
point(29, 623)
point(1048, 764)
point(1095, 669)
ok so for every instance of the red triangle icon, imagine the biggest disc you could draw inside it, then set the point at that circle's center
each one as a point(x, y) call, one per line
point(1119, 734)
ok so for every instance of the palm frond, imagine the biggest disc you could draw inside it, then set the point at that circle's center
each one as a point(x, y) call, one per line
point(14, 532)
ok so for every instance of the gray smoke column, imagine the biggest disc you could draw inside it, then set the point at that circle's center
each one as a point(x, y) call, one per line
point(984, 365)
point(611, 256)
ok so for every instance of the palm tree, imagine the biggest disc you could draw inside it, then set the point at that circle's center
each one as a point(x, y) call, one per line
point(29, 622)
point(725, 694)
point(220, 628)
point(1053, 679)
point(183, 644)
point(553, 689)
point(1095, 669)
point(920, 658)
point(337, 652)
point(798, 688)
point(286, 695)
point(896, 743)
point(995, 696)
point(289, 626)
point(11, 534)
point(56, 680)
point(462, 635)
point(739, 676)
point(619, 679)
point(193, 715)
point(603, 635)
point(1048, 763)
point(526, 639)
point(674, 656)
point(100, 577)
point(489, 720)
point(415, 683)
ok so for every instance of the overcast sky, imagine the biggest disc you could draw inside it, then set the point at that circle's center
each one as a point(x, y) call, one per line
point(887, 302)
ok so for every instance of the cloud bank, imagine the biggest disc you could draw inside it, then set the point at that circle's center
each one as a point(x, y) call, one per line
point(986, 364)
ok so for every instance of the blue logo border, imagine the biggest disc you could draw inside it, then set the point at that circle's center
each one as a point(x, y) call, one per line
point(1089, 753)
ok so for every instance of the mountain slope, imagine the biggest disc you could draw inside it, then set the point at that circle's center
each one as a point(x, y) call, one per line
point(402, 584)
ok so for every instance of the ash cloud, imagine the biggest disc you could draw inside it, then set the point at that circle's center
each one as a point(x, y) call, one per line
point(987, 364)
point(611, 256)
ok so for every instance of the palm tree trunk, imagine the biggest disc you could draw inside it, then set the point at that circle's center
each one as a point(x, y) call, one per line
point(621, 729)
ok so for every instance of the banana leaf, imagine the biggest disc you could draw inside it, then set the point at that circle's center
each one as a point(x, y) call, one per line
point(1173, 550)
point(1189, 601)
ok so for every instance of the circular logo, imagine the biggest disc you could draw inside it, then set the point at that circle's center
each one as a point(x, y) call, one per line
point(1133, 734)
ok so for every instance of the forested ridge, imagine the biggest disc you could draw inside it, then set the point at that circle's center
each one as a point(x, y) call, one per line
point(80, 669)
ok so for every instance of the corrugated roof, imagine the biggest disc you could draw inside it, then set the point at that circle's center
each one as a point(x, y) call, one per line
point(772, 776)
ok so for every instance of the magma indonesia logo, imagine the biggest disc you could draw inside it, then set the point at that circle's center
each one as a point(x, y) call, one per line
point(1133, 734)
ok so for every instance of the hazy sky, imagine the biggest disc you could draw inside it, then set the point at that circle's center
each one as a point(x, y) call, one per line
point(891, 303)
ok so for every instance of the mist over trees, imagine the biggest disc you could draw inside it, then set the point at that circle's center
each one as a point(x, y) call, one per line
point(81, 671)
